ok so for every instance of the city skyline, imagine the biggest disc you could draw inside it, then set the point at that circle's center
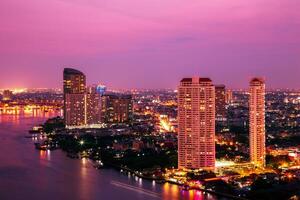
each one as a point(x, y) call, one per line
point(89, 83)
point(109, 41)
point(151, 99)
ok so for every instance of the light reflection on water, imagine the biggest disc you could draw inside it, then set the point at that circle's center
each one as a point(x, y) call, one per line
point(16, 114)
point(52, 175)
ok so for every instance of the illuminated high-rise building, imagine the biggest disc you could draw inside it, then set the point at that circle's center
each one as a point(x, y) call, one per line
point(196, 123)
point(83, 109)
point(93, 107)
point(74, 81)
point(74, 97)
point(257, 121)
point(116, 108)
point(220, 102)
point(75, 109)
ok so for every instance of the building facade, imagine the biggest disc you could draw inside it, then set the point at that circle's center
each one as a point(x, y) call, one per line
point(257, 122)
point(93, 108)
point(83, 109)
point(116, 108)
point(196, 123)
point(75, 109)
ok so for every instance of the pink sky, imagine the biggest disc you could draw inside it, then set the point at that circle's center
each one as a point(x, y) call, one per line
point(149, 43)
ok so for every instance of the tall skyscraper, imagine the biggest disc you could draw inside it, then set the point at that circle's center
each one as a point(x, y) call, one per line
point(220, 102)
point(196, 123)
point(74, 97)
point(257, 122)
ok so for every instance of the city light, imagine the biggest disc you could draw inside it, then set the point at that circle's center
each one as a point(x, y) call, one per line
point(162, 99)
point(224, 163)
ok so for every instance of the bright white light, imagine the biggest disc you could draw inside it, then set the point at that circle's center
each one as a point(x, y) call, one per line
point(224, 163)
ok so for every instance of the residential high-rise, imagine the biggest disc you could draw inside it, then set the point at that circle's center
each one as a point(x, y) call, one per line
point(74, 97)
point(257, 121)
point(75, 109)
point(93, 107)
point(196, 123)
point(220, 102)
point(116, 108)
point(83, 109)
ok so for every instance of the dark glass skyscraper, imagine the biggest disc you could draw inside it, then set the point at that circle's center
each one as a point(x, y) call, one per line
point(74, 81)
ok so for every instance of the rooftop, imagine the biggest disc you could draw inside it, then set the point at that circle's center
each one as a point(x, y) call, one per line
point(201, 79)
point(71, 71)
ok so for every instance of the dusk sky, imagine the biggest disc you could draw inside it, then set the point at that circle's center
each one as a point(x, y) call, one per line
point(150, 43)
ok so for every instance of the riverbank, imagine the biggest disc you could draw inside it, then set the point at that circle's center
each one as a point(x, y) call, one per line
point(25, 169)
point(138, 174)
point(105, 149)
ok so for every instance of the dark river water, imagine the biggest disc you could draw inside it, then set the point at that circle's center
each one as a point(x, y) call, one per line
point(26, 173)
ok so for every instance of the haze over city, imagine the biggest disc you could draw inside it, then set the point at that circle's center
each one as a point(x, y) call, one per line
point(150, 44)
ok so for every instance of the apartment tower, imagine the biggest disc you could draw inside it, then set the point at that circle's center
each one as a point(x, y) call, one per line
point(196, 120)
point(257, 122)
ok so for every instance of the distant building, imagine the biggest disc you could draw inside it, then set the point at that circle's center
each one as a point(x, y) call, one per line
point(257, 122)
point(229, 96)
point(74, 97)
point(91, 89)
point(116, 108)
point(101, 89)
point(7, 95)
point(196, 123)
point(220, 102)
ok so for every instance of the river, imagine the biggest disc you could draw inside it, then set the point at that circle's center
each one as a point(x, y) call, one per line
point(26, 173)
